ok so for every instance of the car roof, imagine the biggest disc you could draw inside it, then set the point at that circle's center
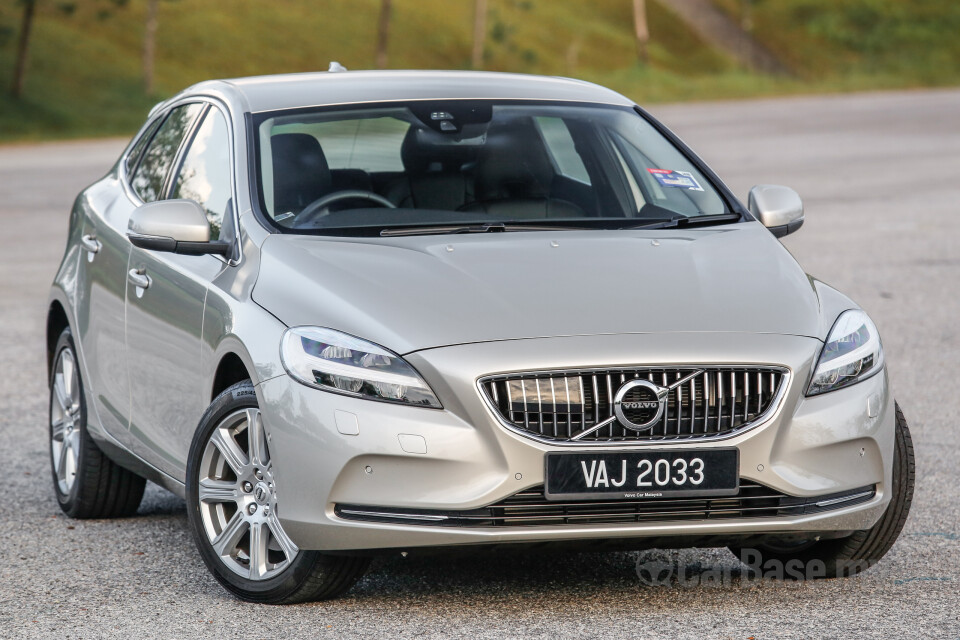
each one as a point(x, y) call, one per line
point(290, 91)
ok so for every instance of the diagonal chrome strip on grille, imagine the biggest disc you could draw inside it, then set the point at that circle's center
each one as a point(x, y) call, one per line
point(576, 406)
point(594, 428)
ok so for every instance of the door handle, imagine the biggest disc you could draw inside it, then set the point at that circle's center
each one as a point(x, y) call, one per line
point(138, 278)
point(91, 245)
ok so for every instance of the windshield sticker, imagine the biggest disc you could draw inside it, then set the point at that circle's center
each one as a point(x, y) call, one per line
point(679, 179)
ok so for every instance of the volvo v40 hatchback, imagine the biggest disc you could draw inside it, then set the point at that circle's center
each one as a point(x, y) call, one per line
point(359, 312)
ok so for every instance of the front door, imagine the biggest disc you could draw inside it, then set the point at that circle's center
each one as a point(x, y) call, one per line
point(166, 294)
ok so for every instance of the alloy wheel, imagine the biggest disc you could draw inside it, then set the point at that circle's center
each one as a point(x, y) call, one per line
point(65, 421)
point(238, 499)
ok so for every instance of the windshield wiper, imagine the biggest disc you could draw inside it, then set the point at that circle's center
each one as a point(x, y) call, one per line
point(489, 227)
point(499, 227)
point(692, 221)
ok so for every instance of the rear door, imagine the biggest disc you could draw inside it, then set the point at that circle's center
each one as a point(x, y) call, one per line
point(101, 283)
point(164, 320)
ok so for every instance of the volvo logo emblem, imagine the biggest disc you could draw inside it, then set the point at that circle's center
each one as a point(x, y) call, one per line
point(639, 404)
point(261, 493)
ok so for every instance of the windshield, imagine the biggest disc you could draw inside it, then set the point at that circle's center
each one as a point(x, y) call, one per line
point(454, 166)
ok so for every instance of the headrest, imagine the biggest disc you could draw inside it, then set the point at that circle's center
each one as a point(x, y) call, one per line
point(300, 171)
point(513, 163)
point(425, 150)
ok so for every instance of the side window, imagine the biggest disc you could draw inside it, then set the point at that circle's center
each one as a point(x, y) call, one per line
point(159, 156)
point(562, 149)
point(137, 150)
point(205, 174)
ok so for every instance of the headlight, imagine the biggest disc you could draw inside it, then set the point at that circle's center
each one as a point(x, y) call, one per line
point(341, 363)
point(852, 353)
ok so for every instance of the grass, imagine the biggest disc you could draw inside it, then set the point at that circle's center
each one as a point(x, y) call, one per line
point(84, 74)
point(912, 41)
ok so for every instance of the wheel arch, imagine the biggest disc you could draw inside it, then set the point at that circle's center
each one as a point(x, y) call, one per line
point(231, 369)
point(57, 321)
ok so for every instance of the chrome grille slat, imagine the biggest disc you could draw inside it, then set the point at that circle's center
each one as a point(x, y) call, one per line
point(705, 399)
point(526, 414)
point(746, 396)
point(553, 414)
point(667, 412)
point(557, 405)
point(583, 400)
point(734, 412)
point(610, 403)
point(720, 397)
point(618, 428)
point(539, 406)
point(679, 406)
point(759, 391)
point(596, 401)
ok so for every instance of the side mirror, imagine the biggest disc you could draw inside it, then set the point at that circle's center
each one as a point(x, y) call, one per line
point(777, 208)
point(175, 226)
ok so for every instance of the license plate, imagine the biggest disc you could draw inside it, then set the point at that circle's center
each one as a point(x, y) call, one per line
point(642, 474)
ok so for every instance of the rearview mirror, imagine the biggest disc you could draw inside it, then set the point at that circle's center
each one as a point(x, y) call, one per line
point(175, 226)
point(777, 208)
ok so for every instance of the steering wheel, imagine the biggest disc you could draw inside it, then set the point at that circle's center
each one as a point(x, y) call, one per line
point(320, 207)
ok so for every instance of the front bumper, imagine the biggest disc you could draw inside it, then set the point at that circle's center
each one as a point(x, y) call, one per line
point(461, 458)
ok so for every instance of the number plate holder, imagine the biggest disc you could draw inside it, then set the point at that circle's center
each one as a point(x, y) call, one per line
point(578, 476)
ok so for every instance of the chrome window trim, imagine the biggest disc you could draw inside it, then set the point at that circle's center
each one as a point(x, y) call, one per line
point(210, 102)
point(768, 415)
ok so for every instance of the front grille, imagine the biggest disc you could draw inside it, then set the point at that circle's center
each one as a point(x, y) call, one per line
point(556, 406)
point(530, 508)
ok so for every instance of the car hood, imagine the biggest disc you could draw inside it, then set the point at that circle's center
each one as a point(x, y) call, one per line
point(418, 292)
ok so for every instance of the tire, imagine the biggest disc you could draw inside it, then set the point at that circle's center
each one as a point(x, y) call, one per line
point(235, 523)
point(87, 483)
point(847, 556)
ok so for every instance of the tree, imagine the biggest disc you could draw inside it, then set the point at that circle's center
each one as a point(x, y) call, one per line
point(103, 11)
point(641, 30)
point(23, 48)
point(149, 44)
point(479, 32)
point(383, 34)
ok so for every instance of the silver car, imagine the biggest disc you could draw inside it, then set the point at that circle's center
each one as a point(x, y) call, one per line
point(366, 312)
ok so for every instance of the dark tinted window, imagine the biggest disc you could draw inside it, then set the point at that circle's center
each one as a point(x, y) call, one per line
point(138, 146)
point(205, 173)
point(159, 156)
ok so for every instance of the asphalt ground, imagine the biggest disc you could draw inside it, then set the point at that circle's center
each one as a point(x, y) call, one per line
point(880, 177)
